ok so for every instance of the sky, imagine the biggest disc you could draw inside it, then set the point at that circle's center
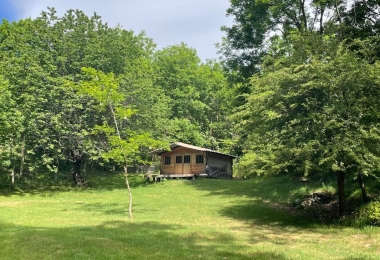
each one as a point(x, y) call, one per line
point(168, 22)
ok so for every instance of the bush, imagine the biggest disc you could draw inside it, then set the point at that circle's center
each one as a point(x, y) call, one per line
point(5, 180)
point(369, 214)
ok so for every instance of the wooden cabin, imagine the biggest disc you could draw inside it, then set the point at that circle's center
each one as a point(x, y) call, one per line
point(189, 160)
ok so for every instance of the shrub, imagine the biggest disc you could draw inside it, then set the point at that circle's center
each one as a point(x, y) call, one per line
point(369, 214)
point(5, 180)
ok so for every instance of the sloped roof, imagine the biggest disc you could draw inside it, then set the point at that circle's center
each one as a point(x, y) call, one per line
point(197, 148)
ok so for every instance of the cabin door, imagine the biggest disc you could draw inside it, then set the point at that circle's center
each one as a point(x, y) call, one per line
point(186, 164)
point(178, 166)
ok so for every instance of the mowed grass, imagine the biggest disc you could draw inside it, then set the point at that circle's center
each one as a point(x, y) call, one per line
point(176, 219)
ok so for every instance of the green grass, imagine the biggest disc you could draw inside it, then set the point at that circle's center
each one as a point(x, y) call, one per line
point(201, 219)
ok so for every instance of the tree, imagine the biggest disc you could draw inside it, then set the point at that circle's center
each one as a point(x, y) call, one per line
point(37, 57)
point(26, 65)
point(123, 146)
point(260, 24)
point(315, 117)
point(362, 20)
point(41, 62)
point(154, 108)
point(11, 127)
point(361, 28)
point(198, 95)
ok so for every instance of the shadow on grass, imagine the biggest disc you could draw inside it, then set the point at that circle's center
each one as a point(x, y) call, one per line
point(259, 200)
point(274, 188)
point(97, 182)
point(109, 208)
point(261, 213)
point(122, 240)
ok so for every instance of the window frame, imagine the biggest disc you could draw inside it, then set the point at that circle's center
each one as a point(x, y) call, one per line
point(198, 159)
point(187, 159)
point(167, 160)
point(178, 159)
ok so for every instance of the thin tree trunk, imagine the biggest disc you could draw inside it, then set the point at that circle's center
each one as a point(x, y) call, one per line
point(115, 121)
point(85, 167)
point(303, 18)
point(13, 177)
point(56, 170)
point(125, 166)
point(342, 203)
point(129, 191)
point(22, 163)
point(340, 31)
point(362, 188)
point(14, 165)
point(321, 29)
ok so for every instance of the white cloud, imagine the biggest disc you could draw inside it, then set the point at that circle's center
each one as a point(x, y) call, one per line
point(168, 22)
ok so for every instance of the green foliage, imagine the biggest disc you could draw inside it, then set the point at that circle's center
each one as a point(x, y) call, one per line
point(271, 31)
point(362, 20)
point(123, 146)
point(152, 106)
point(199, 96)
point(185, 131)
point(312, 118)
point(75, 90)
point(43, 118)
point(11, 118)
point(369, 214)
point(247, 42)
point(310, 106)
point(5, 181)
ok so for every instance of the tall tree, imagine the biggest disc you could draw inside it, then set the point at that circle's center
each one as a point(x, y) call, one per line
point(362, 19)
point(317, 117)
point(45, 52)
point(123, 145)
point(24, 49)
point(256, 21)
point(11, 127)
point(198, 95)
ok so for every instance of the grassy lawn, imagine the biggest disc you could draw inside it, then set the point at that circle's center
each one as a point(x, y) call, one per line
point(201, 219)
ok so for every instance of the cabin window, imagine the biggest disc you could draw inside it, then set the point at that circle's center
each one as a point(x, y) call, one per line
point(199, 158)
point(178, 159)
point(186, 159)
point(167, 160)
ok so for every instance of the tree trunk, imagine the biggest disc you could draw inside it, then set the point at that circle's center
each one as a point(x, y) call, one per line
point(129, 192)
point(76, 165)
point(303, 17)
point(76, 171)
point(342, 203)
point(13, 176)
point(77, 160)
point(22, 163)
point(115, 121)
point(362, 188)
point(125, 165)
point(14, 165)
point(56, 170)
point(85, 168)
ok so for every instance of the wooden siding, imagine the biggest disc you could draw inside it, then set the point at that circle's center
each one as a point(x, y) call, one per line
point(182, 168)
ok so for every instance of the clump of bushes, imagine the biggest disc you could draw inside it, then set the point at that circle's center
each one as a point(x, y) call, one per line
point(5, 180)
point(369, 214)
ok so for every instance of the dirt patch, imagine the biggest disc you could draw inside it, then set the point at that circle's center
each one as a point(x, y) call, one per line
point(312, 207)
point(12, 204)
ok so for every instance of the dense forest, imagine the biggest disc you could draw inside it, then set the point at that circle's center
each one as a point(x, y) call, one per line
point(295, 92)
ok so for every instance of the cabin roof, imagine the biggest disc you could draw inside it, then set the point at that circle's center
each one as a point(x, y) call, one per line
point(174, 146)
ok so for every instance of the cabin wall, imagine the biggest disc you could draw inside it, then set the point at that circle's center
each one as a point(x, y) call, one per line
point(183, 168)
point(215, 160)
